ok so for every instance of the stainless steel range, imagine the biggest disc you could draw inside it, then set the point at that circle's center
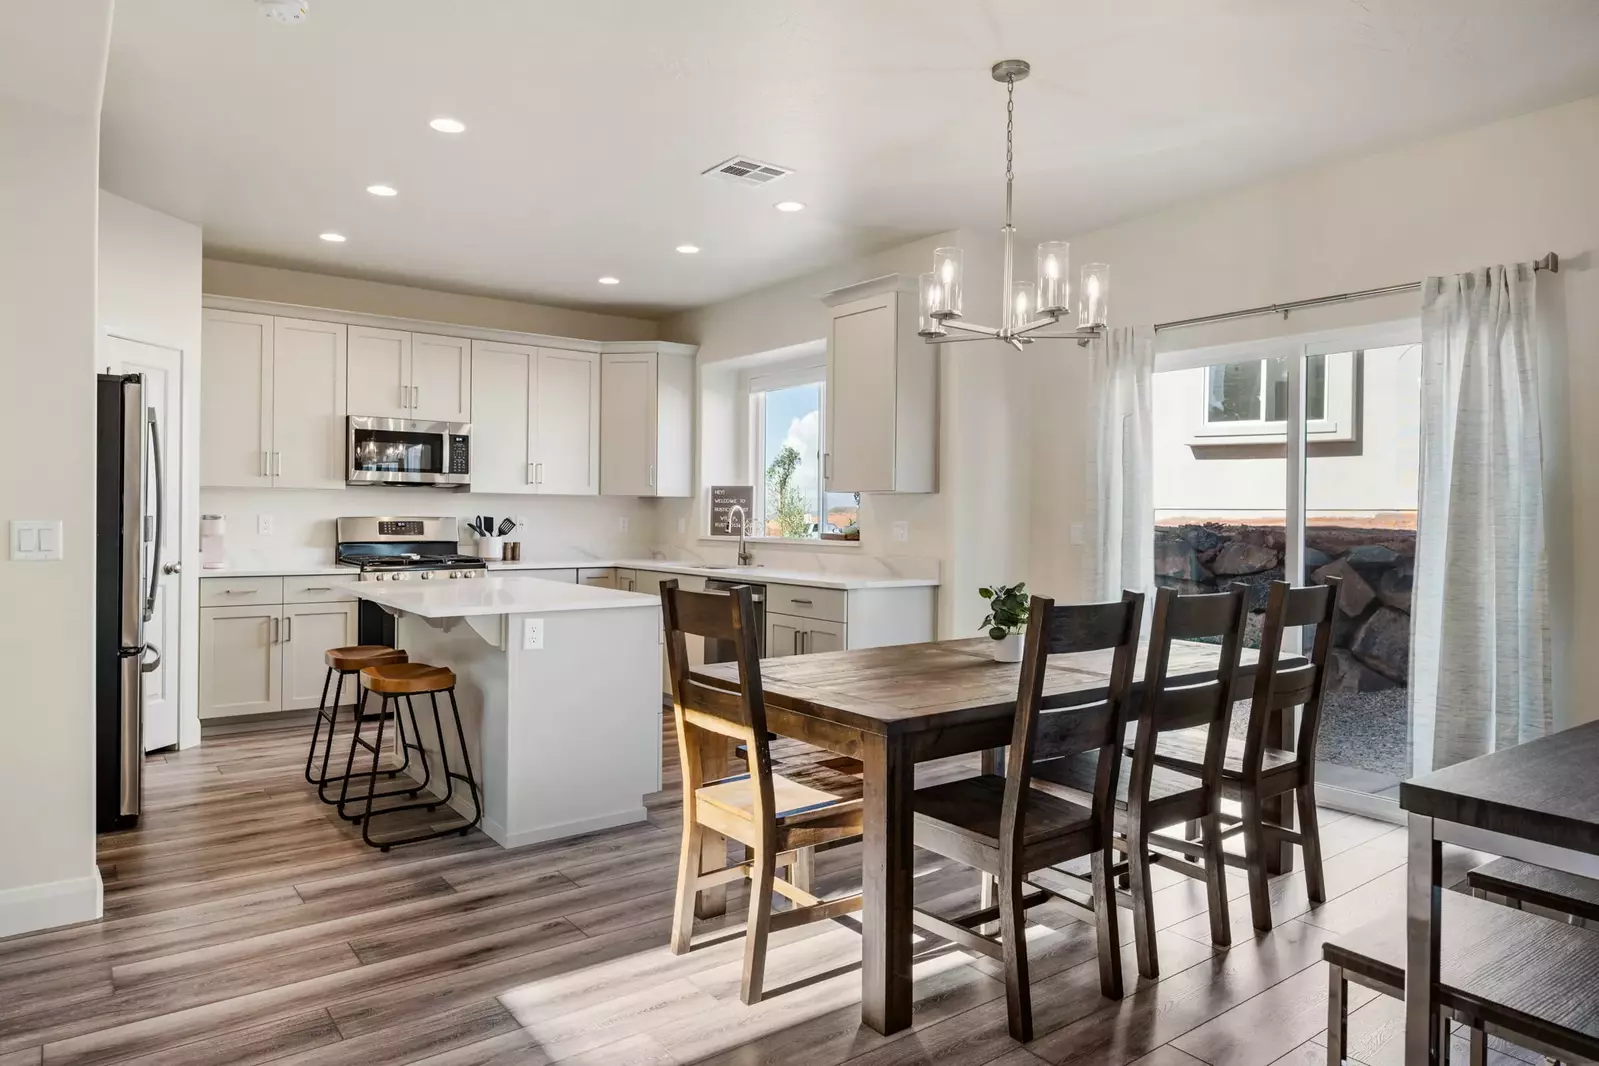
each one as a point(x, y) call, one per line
point(402, 548)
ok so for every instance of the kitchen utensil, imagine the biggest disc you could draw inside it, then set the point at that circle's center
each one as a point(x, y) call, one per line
point(506, 525)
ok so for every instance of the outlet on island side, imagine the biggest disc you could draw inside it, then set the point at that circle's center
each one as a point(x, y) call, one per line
point(532, 634)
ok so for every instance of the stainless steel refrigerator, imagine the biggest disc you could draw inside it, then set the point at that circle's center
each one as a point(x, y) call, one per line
point(127, 560)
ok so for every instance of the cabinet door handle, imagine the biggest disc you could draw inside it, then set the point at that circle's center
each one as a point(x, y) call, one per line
point(288, 630)
point(416, 396)
point(827, 465)
point(275, 630)
point(652, 475)
point(538, 473)
point(264, 472)
point(277, 464)
point(796, 642)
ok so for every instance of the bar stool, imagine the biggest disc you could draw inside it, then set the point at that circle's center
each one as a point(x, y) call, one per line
point(345, 662)
point(391, 682)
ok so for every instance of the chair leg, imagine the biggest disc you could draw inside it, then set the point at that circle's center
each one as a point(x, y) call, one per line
point(1013, 940)
point(316, 733)
point(1310, 832)
point(760, 921)
point(1191, 829)
point(688, 869)
point(802, 875)
point(327, 746)
point(1143, 904)
point(1255, 863)
point(1216, 880)
point(372, 786)
point(1337, 1015)
point(1106, 920)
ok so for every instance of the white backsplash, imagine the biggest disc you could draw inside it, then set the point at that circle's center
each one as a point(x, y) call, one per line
point(835, 561)
point(553, 527)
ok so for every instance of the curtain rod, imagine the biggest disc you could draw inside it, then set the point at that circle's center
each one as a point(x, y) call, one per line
point(1550, 262)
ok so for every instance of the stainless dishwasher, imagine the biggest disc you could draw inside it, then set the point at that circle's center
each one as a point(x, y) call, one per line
point(721, 651)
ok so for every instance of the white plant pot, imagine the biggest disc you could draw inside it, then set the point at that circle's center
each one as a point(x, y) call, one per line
point(1008, 649)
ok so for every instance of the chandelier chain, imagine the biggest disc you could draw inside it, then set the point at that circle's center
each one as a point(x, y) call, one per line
point(1010, 150)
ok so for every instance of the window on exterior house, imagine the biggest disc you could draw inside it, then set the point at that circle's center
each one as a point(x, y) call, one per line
point(1246, 402)
point(787, 432)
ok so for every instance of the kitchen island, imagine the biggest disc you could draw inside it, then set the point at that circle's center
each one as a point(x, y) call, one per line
point(560, 693)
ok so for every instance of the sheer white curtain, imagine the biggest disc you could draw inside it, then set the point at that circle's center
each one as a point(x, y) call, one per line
point(1480, 664)
point(1121, 466)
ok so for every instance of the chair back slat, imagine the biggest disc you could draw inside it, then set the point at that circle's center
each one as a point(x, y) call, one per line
point(730, 617)
point(1207, 703)
point(1277, 687)
point(1036, 736)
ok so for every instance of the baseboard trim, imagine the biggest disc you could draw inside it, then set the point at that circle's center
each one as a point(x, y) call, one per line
point(614, 820)
point(29, 908)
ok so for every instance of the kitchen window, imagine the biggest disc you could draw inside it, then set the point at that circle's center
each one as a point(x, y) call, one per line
point(787, 434)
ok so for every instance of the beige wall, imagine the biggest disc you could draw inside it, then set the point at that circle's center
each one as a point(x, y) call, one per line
point(1501, 193)
point(48, 190)
point(250, 282)
point(149, 270)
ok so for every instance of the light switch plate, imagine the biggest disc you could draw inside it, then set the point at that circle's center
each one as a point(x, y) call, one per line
point(1078, 536)
point(35, 541)
point(532, 634)
point(621, 524)
point(263, 525)
point(902, 531)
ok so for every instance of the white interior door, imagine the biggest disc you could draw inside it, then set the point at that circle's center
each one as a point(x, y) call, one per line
point(162, 369)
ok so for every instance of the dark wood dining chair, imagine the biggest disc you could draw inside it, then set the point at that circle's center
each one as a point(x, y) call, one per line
point(1155, 797)
point(777, 819)
point(1255, 771)
point(1007, 829)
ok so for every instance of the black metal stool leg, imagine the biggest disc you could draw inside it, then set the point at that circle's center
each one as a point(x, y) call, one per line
point(450, 777)
point(349, 761)
point(316, 732)
point(421, 749)
point(372, 780)
point(327, 748)
point(466, 760)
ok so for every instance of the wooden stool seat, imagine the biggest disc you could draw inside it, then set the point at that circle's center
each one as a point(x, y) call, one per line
point(407, 679)
point(360, 656)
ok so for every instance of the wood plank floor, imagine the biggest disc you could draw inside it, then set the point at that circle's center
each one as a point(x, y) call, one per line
point(246, 924)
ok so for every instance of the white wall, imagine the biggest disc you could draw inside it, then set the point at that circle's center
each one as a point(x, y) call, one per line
point(150, 292)
point(48, 190)
point(250, 282)
point(1506, 192)
point(975, 526)
point(558, 527)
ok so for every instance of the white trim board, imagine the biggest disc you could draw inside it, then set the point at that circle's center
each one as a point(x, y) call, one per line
point(28, 908)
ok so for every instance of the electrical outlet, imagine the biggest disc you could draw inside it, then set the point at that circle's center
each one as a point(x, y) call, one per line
point(902, 531)
point(1078, 535)
point(621, 524)
point(682, 526)
point(533, 634)
point(263, 525)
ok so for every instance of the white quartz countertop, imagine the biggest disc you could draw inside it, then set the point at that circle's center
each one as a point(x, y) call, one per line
point(753, 574)
point(501, 594)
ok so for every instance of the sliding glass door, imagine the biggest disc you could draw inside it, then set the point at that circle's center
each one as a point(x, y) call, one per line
point(1296, 459)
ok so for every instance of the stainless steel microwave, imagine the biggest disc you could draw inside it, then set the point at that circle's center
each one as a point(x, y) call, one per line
point(400, 451)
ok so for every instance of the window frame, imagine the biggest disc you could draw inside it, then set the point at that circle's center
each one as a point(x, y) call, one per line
point(1339, 424)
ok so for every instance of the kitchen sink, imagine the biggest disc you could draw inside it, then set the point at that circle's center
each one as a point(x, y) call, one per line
point(729, 566)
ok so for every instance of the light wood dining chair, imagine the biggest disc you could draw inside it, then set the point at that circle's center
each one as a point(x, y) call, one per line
point(1155, 797)
point(1254, 770)
point(778, 820)
point(1007, 829)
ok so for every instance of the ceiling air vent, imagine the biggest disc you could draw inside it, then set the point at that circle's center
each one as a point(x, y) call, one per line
point(747, 171)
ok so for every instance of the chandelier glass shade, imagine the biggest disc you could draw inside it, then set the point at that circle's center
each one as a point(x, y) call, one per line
point(1029, 307)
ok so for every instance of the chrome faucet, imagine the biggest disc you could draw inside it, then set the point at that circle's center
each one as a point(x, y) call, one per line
point(744, 556)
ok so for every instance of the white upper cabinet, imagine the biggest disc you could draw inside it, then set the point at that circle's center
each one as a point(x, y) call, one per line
point(272, 402)
point(882, 391)
point(441, 378)
point(422, 376)
point(236, 399)
point(647, 421)
point(565, 422)
point(308, 371)
point(380, 372)
point(503, 377)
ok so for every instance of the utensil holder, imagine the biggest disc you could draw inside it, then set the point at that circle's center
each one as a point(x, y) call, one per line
point(491, 549)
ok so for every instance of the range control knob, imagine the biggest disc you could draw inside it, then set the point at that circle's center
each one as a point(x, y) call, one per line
point(425, 575)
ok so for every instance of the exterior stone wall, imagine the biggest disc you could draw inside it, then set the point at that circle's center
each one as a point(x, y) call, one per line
point(1371, 633)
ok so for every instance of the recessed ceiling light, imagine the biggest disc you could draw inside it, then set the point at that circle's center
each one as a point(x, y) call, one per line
point(608, 280)
point(689, 249)
point(448, 125)
point(334, 238)
point(382, 190)
point(790, 205)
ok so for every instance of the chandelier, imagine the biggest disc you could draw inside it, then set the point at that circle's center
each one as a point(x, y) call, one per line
point(1028, 307)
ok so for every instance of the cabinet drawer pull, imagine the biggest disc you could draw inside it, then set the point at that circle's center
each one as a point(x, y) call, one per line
point(241, 592)
point(805, 603)
point(316, 588)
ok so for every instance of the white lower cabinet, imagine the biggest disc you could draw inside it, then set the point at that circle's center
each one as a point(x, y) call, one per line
point(791, 635)
point(241, 661)
point(309, 630)
point(261, 658)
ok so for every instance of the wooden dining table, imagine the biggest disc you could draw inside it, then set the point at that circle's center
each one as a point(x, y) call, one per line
point(894, 707)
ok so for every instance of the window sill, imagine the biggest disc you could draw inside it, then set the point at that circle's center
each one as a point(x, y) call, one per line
point(787, 543)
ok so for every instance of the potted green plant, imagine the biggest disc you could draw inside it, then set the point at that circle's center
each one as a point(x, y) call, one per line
point(1006, 618)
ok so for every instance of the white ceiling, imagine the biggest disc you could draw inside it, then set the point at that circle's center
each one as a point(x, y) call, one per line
point(589, 122)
